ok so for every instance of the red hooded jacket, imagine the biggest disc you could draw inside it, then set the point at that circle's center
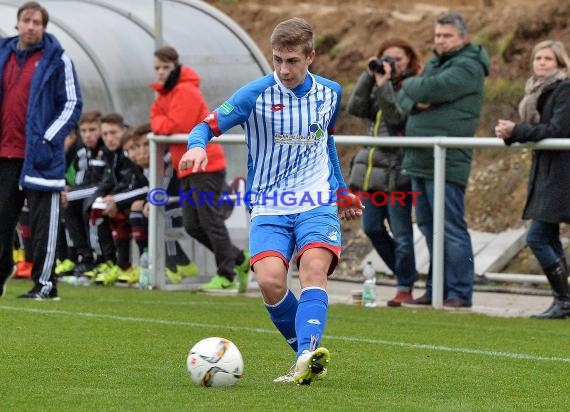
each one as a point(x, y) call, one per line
point(178, 111)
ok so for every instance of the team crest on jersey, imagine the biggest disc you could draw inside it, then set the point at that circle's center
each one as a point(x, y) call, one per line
point(226, 108)
point(316, 130)
point(277, 107)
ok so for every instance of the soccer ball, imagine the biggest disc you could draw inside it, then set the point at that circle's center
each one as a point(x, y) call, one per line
point(215, 362)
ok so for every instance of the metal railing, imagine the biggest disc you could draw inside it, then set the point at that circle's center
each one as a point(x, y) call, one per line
point(439, 144)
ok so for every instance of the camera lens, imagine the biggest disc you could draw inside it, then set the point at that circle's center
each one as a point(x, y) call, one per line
point(375, 66)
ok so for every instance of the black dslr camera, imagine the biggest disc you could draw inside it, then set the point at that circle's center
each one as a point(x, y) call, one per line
point(376, 65)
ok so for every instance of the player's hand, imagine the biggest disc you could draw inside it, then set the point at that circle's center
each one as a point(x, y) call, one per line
point(349, 207)
point(111, 209)
point(137, 205)
point(194, 159)
point(63, 197)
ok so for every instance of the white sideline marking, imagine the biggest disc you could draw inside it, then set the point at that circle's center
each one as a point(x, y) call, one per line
point(170, 303)
point(497, 354)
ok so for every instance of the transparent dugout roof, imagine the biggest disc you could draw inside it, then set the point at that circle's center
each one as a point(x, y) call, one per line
point(111, 43)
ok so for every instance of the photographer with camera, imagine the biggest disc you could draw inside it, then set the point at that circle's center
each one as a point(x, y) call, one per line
point(378, 169)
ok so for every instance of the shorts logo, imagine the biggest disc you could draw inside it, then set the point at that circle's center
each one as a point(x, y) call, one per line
point(277, 107)
point(333, 236)
point(314, 321)
point(226, 108)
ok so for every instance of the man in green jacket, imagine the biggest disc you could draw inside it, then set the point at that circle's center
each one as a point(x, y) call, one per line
point(445, 100)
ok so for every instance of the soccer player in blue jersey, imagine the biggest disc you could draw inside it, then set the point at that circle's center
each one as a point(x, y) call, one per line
point(293, 181)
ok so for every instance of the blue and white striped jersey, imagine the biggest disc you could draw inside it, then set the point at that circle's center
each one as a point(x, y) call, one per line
point(292, 160)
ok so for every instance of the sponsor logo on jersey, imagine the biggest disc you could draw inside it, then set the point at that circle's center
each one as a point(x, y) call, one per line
point(295, 139)
point(226, 108)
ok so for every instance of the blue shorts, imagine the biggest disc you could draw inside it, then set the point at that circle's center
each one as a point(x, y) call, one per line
point(280, 235)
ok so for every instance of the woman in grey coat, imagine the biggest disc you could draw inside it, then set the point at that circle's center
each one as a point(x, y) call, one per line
point(376, 170)
point(545, 113)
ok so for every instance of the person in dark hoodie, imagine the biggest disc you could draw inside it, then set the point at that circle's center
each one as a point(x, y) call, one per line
point(40, 102)
point(108, 222)
point(445, 100)
point(178, 107)
point(177, 263)
point(84, 174)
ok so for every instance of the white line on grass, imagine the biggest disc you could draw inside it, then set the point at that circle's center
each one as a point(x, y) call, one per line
point(490, 353)
point(171, 303)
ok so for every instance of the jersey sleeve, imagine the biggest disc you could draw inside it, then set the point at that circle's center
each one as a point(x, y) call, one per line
point(335, 163)
point(233, 112)
point(331, 146)
point(332, 123)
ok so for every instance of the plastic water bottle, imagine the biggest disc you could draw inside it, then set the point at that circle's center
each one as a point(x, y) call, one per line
point(145, 281)
point(369, 286)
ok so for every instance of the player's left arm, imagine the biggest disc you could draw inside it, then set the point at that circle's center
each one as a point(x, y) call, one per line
point(349, 205)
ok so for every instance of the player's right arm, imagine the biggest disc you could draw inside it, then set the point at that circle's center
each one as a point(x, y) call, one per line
point(234, 111)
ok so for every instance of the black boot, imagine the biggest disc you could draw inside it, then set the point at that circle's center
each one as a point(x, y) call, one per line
point(557, 275)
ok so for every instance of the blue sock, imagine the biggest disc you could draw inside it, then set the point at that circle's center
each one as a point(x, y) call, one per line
point(311, 318)
point(283, 317)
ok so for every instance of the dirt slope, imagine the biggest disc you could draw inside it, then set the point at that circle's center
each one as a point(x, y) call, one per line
point(348, 32)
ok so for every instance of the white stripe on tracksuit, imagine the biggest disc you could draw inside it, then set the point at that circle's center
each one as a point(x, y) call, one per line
point(68, 109)
point(51, 246)
point(81, 193)
point(119, 197)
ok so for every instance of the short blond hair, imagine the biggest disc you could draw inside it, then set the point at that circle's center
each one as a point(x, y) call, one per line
point(292, 33)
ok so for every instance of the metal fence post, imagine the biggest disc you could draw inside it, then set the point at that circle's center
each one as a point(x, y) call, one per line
point(438, 251)
point(158, 24)
point(156, 216)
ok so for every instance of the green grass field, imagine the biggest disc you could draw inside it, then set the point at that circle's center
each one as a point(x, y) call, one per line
point(118, 349)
